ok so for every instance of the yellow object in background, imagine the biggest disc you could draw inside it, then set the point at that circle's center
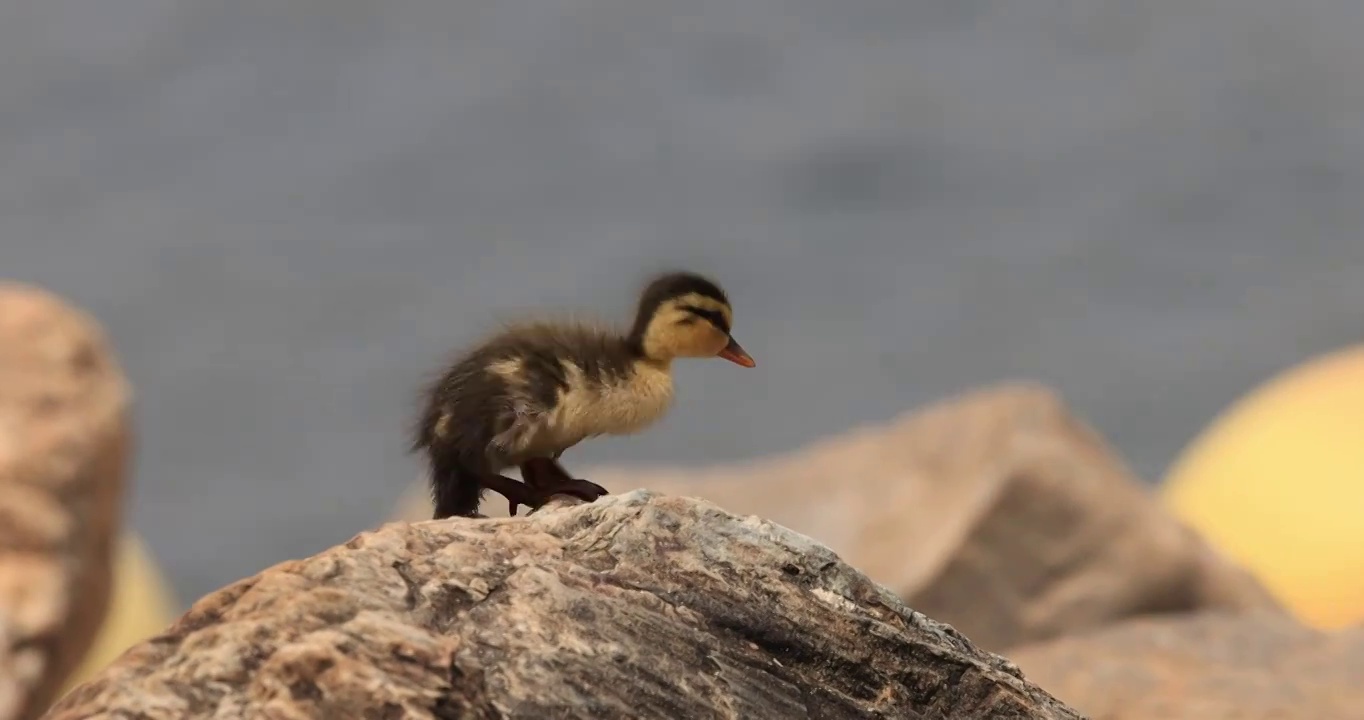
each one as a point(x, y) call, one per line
point(140, 606)
point(1277, 484)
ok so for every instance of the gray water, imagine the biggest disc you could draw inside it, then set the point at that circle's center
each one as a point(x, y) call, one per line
point(287, 212)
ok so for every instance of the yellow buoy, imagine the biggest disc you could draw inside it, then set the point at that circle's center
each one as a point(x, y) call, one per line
point(140, 606)
point(1277, 484)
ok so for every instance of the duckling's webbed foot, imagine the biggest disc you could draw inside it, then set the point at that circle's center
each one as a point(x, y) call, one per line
point(517, 493)
point(549, 479)
point(534, 495)
point(586, 490)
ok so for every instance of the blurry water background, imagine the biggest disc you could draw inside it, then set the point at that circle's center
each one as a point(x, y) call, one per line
point(287, 212)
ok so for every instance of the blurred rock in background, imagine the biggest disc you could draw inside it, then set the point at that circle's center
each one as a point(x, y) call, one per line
point(1209, 666)
point(65, 447)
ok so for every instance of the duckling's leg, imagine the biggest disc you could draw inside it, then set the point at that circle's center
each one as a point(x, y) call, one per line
point(549, 478)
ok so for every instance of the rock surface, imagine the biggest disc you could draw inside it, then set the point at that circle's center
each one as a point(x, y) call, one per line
point(998, 512)
point(634, 606)
point(1208, 666)
point(63, 456)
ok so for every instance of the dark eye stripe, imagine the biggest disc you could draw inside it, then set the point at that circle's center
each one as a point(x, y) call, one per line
point(714, 317)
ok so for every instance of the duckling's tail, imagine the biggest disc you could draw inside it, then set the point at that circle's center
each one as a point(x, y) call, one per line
point(455, 486)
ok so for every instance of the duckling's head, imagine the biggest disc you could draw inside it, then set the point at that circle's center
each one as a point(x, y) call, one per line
point(683, 314)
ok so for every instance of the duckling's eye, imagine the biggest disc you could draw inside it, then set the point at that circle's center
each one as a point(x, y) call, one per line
point(711, 316)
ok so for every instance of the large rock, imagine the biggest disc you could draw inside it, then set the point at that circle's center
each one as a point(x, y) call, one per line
point(63, 456)
point(1208, 666)
point(633, 606)
point(998, 512)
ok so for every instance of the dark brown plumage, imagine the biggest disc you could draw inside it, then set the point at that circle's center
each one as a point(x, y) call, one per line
point(531, 391)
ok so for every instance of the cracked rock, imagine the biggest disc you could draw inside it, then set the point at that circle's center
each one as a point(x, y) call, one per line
point(63, 451)
point(635, 606)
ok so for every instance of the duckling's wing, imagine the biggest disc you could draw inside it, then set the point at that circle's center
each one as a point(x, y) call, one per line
point(540, 364)
point(520, 422)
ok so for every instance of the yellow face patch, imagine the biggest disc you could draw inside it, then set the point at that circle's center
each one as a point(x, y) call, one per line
point(677, 332)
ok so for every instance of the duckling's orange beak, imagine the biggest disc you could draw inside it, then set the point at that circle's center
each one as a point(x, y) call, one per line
point(735, 353)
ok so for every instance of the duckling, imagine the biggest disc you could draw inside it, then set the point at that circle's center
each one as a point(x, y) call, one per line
point(528, 393)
